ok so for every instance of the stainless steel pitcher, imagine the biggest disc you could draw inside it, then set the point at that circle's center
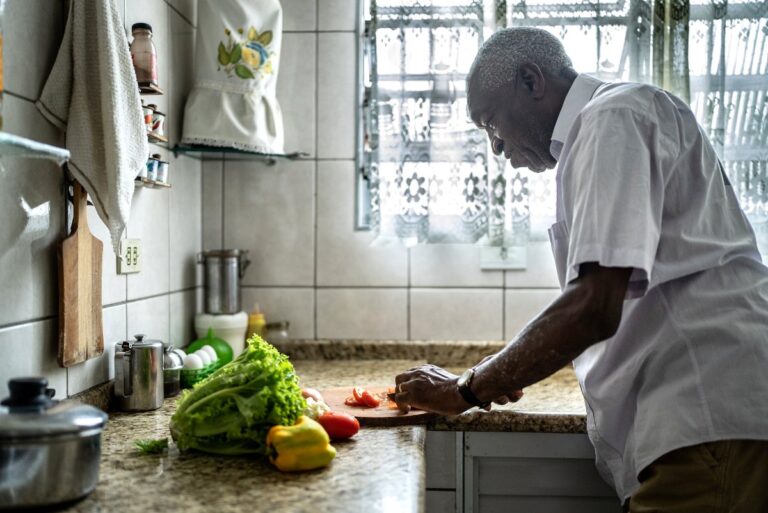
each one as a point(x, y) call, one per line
point(224, 268)
point(139, 374)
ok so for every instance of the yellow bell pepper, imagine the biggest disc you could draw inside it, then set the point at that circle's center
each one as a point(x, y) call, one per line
point(303, 446)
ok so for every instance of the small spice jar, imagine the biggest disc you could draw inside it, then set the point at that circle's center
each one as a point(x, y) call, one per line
point(152, 166)
point(158, 123)
point(144, 54)
point(148, 111)
point(162, 171)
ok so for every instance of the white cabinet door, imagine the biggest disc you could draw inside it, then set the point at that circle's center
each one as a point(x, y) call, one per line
point(533, 473)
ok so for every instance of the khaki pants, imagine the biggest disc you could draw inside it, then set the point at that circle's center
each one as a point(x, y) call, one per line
point(729, 476)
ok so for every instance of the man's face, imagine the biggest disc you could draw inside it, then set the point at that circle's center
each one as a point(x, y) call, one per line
point(518, 126)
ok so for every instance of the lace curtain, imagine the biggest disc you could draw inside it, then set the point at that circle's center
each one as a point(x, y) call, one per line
point(431, 175)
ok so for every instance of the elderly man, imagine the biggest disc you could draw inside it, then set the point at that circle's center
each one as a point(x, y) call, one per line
point(664, 304)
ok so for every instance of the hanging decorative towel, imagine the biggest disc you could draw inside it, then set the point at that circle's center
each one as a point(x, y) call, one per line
point(232, 103)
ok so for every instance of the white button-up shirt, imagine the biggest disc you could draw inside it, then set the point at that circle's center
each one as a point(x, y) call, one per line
point(640, 186)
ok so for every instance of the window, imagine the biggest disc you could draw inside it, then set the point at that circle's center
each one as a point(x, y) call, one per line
point(427, 174)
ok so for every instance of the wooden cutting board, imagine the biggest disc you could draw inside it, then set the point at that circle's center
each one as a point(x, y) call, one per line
point(80, 329)
point(386, 414)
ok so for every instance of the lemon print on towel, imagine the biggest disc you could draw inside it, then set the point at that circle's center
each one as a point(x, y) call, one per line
point(245, 54)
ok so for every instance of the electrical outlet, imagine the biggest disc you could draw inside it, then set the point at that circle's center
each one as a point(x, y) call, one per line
point(129, 259)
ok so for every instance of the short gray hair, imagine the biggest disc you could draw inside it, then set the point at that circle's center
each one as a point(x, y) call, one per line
point(497, 60)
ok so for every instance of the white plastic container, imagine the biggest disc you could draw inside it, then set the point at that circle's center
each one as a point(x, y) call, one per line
point(230, 327)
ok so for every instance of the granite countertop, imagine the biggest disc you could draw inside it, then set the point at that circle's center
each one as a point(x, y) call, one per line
point(379, 470)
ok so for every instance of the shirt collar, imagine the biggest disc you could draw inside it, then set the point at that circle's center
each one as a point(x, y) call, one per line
point(578, 96)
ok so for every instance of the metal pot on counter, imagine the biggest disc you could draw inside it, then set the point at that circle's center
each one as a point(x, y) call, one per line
point(49, 450)
point(224, 268)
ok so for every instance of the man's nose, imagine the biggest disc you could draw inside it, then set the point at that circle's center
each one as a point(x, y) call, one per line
point(497, 145)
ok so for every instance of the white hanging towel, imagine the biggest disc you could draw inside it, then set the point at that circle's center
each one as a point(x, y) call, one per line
point(93, 95)
point(233, 103)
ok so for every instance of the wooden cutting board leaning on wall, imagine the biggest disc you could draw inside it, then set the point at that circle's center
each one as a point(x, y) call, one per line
point(80, 328)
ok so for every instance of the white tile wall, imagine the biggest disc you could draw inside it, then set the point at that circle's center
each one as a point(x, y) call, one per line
point(456, 314)
point(299, 15)
point(344, 256)
point(450, 265)
point(149, 222)
point(364, 313)
point(212, 195)
point(98, 370)
point(182, 56)
point(521, 306)
point(32, 208)
point(185, 220)
point(336, 93)
point(269, 210)
point(183, 306)
point(295, 305)
point(337, 14)
point(187, 8)
point(540, 270)
point(32, 213)
point(296, 91)
point(30, 350)
point(34, 28)
point(150, 317)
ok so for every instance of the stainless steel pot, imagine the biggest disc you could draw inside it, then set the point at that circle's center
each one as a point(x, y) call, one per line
point(224, 268)
point(49, 451)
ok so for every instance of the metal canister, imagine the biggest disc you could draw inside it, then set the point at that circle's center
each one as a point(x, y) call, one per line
point(224, 268)
point(139, 374)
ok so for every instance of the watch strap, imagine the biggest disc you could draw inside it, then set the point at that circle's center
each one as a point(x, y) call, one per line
point(468, 395)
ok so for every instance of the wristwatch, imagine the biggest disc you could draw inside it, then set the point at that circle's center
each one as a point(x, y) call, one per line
point(465, 380)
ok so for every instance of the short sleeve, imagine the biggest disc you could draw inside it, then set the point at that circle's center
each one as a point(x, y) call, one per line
point(613, 194)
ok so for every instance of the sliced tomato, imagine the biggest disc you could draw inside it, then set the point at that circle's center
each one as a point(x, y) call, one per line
point(357, 392)
point(370, 400)
point(351, 401)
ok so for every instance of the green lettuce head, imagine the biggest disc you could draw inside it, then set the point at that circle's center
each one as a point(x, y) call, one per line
point(231, 411)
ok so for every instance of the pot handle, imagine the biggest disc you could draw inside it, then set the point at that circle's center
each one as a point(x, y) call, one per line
point(243, 264)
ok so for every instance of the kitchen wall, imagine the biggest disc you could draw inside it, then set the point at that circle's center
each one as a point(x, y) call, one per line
point(161, 300)
point(296, 219)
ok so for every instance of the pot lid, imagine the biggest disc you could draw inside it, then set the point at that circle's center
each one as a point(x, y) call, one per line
point(30, 413)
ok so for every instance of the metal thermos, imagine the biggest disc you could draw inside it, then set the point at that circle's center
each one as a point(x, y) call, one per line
point(223, 270)
point(139, 374)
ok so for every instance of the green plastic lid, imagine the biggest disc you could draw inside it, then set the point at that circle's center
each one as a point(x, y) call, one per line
point(222, 348)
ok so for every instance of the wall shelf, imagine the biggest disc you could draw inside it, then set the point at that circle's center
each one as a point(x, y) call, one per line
point(151, 184)
point(215, 152)
point(16, 146)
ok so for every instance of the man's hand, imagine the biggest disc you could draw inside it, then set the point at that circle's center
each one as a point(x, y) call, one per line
point(429, 388)
point(434, 389)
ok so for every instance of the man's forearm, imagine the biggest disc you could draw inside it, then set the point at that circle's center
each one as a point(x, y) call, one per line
point(563, 331)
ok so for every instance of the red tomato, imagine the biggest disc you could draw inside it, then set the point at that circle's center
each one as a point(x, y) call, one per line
point(369, 399)
point(357, 392)
point(339, 426)
point(351, 401)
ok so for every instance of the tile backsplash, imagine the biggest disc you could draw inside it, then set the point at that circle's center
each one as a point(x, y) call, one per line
point(296, 218)
point(161, 300)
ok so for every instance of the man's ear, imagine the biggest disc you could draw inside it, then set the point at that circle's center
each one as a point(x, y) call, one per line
point(532, 78)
